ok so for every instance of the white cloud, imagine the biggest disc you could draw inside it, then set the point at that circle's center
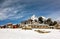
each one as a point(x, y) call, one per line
point(5, 14)
point(10, 12)
point(54, 15)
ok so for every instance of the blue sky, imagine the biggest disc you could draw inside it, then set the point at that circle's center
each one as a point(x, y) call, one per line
point(15, 11)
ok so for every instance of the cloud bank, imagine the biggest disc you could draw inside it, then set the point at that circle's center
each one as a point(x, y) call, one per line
point(18, 9)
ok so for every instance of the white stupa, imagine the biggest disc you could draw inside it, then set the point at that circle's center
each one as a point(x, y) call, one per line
point(34, 17)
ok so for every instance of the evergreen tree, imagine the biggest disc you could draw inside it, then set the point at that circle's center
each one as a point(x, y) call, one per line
point(55, 22)
point(49, 21)
point(40, 19)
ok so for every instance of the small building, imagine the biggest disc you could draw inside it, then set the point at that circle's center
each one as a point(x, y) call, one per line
point(15, 26)
point(9, 25)
point(3, 26)
point(21, 25)
point(27, 28)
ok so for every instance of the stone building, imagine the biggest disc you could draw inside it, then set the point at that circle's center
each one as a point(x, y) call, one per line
point(57, 26)
point(51, 27)
point(38, 26)
point(9, 25)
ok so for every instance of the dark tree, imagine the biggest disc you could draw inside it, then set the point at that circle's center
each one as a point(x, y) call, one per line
point(55, 22)
point(51, 24)
point(35, 20)
point(40, 19)
point(45, 22)
point(17, 25)
point(4, 26)
point(49, 21)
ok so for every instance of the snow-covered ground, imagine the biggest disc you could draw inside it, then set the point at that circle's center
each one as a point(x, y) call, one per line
point(28, 34)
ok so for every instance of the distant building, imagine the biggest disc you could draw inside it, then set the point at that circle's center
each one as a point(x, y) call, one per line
point(3, 26)
point(38, 26)
point(51, 27)
point(57, 26)
point(15, 26)
point(27, 27)
point(9, 25)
